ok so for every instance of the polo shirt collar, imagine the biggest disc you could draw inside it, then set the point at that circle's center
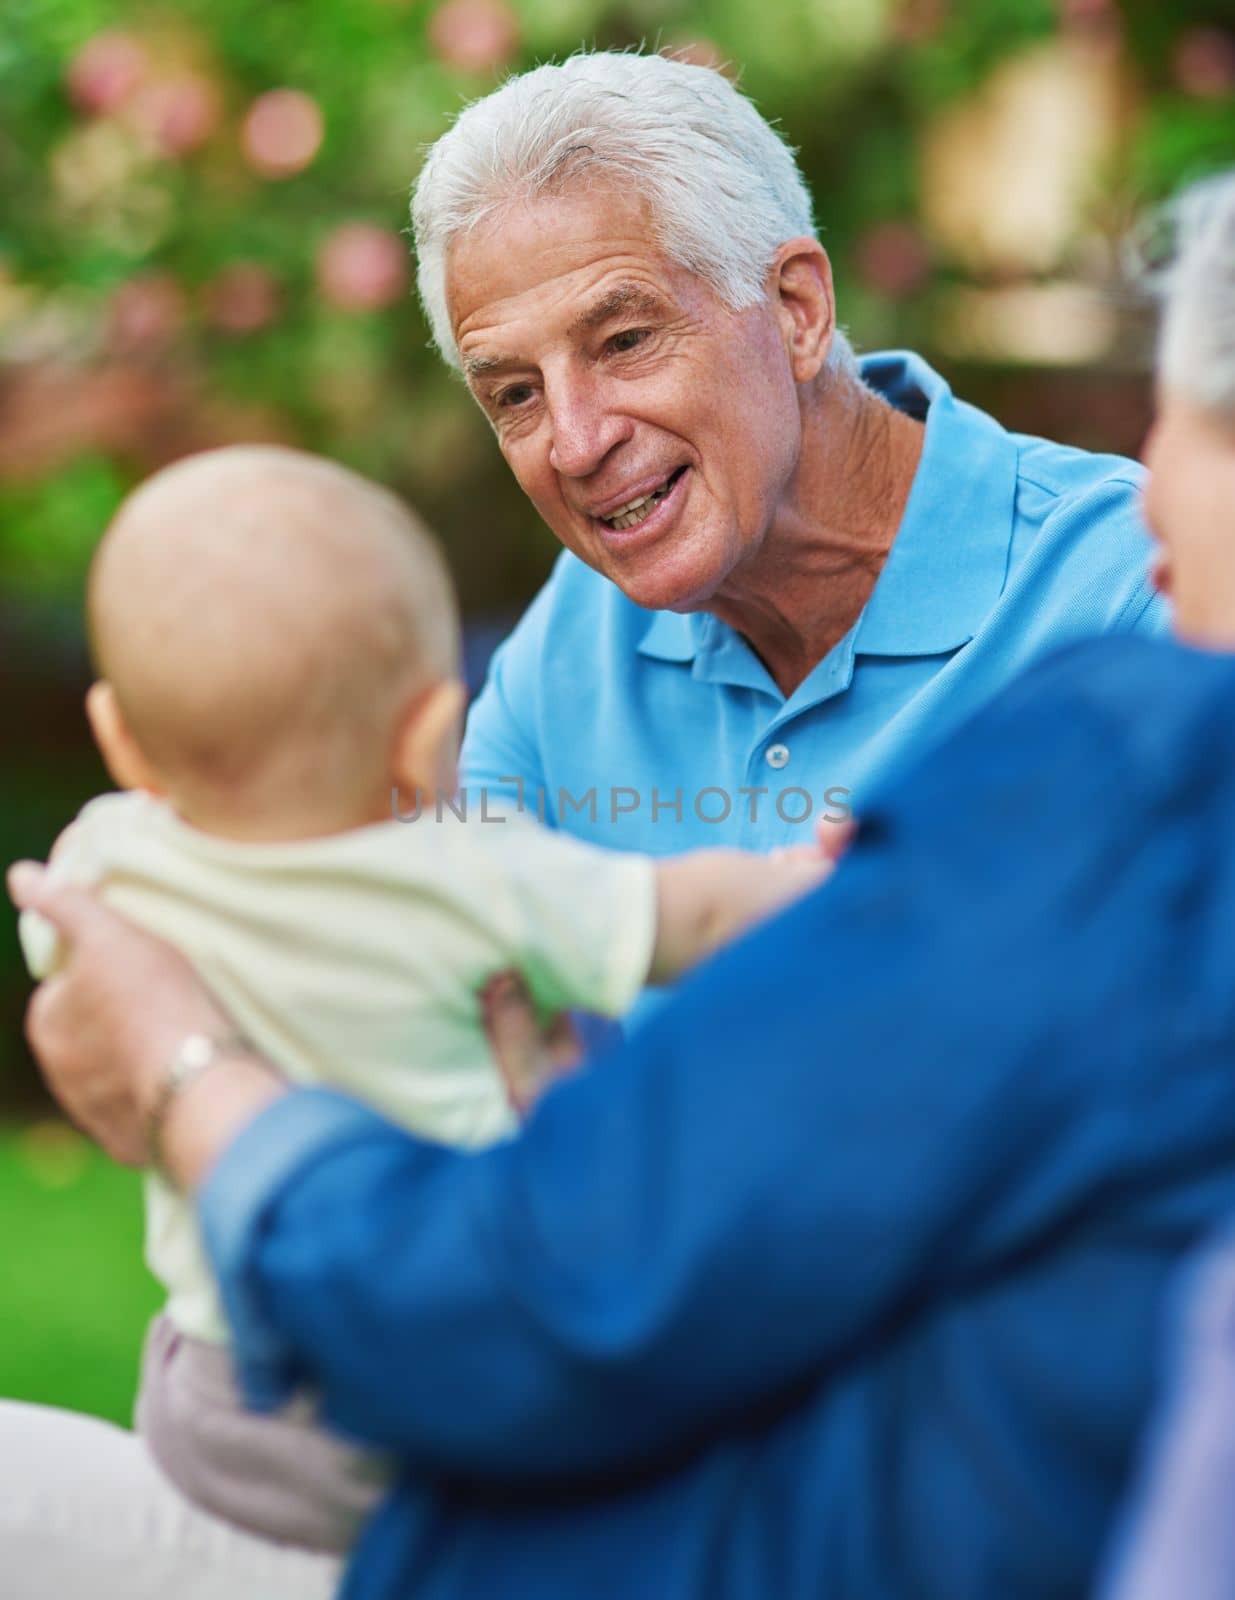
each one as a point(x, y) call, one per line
point(718, 652)
point(949, 560)
point(670, 636)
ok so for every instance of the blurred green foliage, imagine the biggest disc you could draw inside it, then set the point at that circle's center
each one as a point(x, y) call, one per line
point(76, 1295)
point(124, 211)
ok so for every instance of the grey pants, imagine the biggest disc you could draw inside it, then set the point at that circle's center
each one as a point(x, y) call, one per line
point(279, 1474)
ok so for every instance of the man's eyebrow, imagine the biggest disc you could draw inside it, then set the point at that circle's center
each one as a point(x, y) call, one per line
point(480, 366)
point(622, 297)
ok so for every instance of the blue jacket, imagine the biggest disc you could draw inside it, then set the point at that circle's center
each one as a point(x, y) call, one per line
point(841, 1277)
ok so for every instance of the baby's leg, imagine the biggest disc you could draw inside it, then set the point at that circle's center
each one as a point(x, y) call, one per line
point(85, 1515)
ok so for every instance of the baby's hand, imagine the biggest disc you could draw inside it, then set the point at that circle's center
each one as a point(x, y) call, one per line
point(832, 839)
point(791, 871)
point(710, 896)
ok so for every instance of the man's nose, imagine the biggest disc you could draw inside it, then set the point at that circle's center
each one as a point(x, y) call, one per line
point(585, 426)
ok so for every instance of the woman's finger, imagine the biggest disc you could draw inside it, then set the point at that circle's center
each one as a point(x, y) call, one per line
point(75, 913)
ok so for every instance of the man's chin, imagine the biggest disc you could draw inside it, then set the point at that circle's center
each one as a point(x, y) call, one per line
point(668, 579)
point(659, 591)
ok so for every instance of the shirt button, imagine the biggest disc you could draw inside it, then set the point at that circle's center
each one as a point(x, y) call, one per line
point(777, 756)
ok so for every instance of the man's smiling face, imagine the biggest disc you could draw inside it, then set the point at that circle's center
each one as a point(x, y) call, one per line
point(655, 430)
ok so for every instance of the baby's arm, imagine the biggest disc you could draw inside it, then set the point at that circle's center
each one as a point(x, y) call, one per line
point(709, 896)
point(588, 928)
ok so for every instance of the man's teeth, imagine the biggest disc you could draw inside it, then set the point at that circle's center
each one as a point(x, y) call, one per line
point(636, 511)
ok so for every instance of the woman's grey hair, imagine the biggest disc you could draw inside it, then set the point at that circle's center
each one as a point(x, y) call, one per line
point(1196, 351)
point(723, 187)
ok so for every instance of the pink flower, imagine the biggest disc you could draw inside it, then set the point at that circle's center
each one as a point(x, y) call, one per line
point(244, 298)
point(1087, 14)
point(282, 133)
point(1205, 63)
point(106, 71)
point(146, 314)
point(915, 21)
point(362, 267)
point(178, 113)
point(474, 35)
point(892, 259)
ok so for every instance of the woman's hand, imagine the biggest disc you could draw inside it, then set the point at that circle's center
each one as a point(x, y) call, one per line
point(104, 1027)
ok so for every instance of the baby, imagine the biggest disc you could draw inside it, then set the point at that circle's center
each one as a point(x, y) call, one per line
point(277, 646)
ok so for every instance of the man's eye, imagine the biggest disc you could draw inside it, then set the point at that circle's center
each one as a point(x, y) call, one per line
point(514, 396)
point(629, 339)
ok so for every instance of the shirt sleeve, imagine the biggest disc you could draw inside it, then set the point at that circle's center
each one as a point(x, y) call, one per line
point(1104, 527)
point(833, 1124)
point(1148, 614)
point(586, 918)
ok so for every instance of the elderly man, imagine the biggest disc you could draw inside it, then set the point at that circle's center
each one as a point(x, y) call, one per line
point(783, 569)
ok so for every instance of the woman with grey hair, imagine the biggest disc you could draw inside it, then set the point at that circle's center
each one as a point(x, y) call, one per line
point(1179, 1534)
point(1190, 500)
point(842, 1278)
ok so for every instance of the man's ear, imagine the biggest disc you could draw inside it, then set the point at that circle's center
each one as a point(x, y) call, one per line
point(121, 754)
point(426, 750)
point(801, 283)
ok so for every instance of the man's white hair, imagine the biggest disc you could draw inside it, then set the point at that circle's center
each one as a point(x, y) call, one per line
point(723, 187)
point(1196, 353)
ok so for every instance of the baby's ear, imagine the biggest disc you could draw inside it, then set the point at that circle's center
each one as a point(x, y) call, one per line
point(121, 755)
point(426, 747)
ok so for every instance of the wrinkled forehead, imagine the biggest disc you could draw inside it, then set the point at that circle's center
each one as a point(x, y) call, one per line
point(562, 263)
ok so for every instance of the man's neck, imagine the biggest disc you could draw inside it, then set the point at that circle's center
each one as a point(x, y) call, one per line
point(806, 585)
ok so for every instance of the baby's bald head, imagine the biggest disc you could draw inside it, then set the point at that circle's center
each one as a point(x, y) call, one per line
point(264, 617)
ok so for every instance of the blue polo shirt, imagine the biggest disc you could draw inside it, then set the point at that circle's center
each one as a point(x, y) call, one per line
point(660, 732)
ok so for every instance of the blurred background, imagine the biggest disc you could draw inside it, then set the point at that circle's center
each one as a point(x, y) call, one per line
point(202, 239)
